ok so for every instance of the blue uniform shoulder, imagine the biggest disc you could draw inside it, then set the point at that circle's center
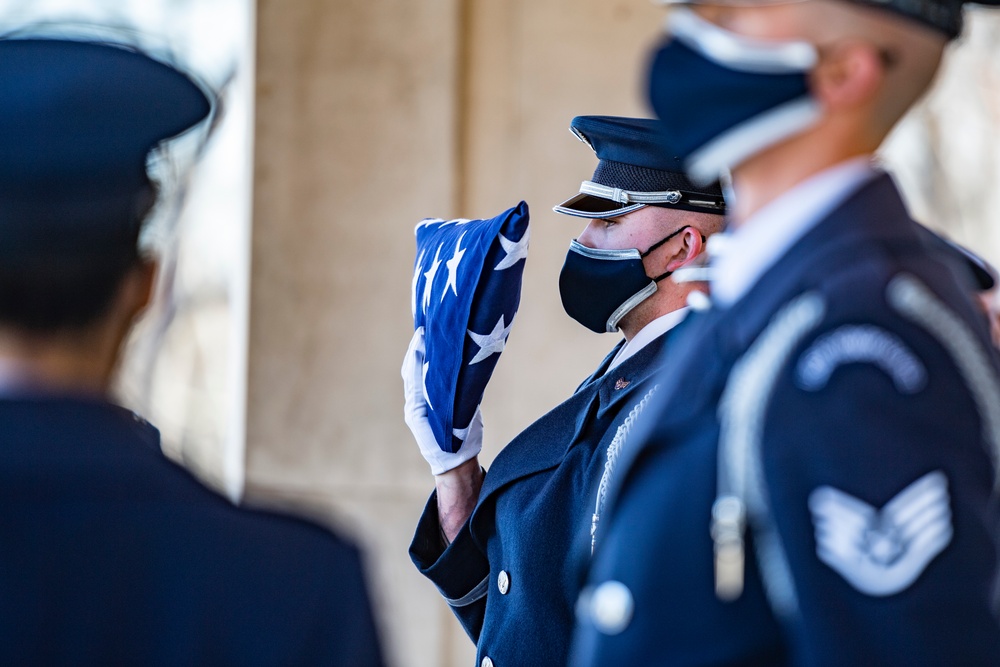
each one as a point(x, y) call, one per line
point(162, 554)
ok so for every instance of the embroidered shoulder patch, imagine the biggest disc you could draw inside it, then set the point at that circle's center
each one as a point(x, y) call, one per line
point(882, 552)
point(866, 344)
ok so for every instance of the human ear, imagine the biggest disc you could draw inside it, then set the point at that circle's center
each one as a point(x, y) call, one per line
point(138, 287)
point(692, 245)
point(848, 75)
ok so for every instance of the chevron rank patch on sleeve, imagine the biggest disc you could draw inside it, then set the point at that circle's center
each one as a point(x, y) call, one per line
point(883, 552)
point(465, 292)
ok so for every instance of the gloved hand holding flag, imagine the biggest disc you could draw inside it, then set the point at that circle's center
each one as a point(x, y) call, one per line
point(465, 293)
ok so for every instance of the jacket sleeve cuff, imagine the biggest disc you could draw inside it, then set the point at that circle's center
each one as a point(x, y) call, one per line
point(460, 570)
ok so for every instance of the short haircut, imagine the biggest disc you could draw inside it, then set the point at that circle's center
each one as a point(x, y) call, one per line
point(49, 293)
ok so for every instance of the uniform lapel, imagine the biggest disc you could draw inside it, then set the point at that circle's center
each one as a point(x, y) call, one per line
point(603, 366)
point(621, 383)
point(543, 445)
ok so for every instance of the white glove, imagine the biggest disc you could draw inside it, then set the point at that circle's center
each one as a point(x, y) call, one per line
point(415, 414)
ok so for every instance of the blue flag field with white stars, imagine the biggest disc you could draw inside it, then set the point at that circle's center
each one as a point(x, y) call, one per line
point(465, 293)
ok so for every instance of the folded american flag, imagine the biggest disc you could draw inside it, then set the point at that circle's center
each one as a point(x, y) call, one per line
point(466, 289)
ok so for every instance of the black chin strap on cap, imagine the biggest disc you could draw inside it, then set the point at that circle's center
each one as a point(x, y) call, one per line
point(666, 274)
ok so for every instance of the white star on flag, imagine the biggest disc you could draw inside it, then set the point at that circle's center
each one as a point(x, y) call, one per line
point(427, 396)
point(429, 275)
point(413, 285)
point(515, 251)
point(492, 343)
point(462, 433)
point(452, 265)
point(441, 222)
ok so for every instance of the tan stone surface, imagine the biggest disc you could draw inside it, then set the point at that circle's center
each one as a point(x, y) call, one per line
point(354, 144)
point(354, 123)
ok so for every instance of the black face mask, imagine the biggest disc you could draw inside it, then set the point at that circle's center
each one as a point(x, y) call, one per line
point(599, 287)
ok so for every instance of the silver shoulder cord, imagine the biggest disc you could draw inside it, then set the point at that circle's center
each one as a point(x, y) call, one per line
point(614, 452)
point(741, 492)
point(914, 301)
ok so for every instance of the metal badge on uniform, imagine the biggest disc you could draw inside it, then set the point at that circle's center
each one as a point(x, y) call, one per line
point(621, 383)
point(883, 552)
point(864, 344)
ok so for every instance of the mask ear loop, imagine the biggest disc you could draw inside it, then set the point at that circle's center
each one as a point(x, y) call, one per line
point(666, 274)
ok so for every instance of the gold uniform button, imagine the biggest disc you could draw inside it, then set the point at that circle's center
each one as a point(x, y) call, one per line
point(503, 582)
point(486, 662)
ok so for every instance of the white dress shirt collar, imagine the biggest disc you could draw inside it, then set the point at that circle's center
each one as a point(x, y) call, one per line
point(648, 334)
point(741, 257)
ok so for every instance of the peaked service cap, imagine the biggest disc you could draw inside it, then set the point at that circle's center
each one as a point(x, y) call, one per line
point(78, 120)
point(633, 171)
point(945, 16)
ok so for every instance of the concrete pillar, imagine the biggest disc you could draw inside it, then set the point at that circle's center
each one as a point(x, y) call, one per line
point(354, 142)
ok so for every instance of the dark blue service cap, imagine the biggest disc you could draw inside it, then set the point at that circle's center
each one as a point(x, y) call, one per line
point(945, 16)
point(78, 120)
point(634, 171)
point(942, 15)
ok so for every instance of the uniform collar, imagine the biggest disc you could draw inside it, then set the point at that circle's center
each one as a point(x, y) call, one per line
point(741, 257)
point(64, 420)
point(544, 444)
point(647, 334)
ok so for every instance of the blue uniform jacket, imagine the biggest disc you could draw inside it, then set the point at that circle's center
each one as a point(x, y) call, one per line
point(850, 402)
point(507, 575)
point(114, 555)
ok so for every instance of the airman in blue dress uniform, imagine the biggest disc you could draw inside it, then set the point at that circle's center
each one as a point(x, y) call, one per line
point(112, 554)
point(498, 547)
point(815, 482)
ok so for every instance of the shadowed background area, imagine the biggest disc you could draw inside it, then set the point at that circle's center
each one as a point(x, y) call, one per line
point(273, 367)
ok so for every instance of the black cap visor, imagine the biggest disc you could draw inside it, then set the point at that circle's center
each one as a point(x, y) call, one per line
point(589, 206)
